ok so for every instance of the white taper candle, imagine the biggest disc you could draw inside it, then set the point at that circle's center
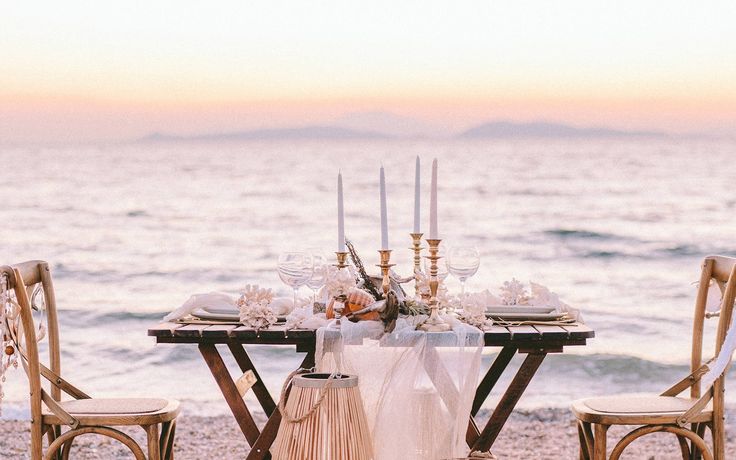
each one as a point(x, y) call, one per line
point(416, 197)
point(340, 216)
point(433, 233)
point(384, 213)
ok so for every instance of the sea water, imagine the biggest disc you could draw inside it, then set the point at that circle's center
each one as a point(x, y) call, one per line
point(616, 227)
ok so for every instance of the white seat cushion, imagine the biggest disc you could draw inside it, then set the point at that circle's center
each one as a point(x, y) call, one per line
point(636, 404)
point(114, 406)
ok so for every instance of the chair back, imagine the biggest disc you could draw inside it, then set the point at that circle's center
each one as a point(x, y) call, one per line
point(721, 272)
point(23, 332)
point(34, 289)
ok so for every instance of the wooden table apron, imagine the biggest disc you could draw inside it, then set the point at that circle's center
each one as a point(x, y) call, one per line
point(533, 341)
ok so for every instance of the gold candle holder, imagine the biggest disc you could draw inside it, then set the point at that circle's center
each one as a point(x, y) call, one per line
point(385, 270)
point(417, 248)
point(339, 301)
point(434, 323)
point(342, 258)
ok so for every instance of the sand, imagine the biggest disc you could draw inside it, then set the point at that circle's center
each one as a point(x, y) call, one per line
point(538, 434)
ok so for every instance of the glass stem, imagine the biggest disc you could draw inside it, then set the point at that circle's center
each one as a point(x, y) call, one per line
point(462, 288)
point(295, 291)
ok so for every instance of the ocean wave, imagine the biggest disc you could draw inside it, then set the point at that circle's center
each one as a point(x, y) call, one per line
point(111, 275)
point(92, 318)
point(565, 233)
point(611, 373)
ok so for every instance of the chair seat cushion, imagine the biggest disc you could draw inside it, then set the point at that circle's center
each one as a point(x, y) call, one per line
point(114, 406)
point(636, 404)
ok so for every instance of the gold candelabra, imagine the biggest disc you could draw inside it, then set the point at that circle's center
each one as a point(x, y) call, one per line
point(417, 248)
point(434, 323)
point(385, 270)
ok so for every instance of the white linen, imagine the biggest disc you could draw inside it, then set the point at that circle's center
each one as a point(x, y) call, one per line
point(719, 366)
point(211, 299)
point(417, 387)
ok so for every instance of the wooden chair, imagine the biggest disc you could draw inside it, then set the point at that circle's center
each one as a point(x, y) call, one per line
point(83, 414)
point(685, 416)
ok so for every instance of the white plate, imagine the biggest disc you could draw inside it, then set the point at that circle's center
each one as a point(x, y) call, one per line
point(221, 314)
point(528, 309)
point(526, 316)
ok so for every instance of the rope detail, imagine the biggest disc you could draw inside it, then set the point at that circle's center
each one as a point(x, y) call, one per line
point(315, 406)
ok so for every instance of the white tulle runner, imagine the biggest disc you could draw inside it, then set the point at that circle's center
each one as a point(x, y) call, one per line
point(417, 387)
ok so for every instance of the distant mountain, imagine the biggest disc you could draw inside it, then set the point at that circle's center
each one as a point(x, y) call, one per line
point(506, 129)
point(389, 124)
point(305, 132)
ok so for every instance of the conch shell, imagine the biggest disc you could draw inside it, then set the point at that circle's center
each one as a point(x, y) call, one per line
point(357, 300)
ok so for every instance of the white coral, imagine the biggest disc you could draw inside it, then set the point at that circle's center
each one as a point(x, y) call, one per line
point(514, 293)
point(257, 316)
point(254, 304)
point(480, 321)
point(339, 281)
point(252, 294)
point(476, 303)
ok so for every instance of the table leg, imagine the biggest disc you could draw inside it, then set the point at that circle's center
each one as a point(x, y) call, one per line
point(230, 392)
point(491, 378)
point(442, 379)
point(484, 389)
point(260, 450)
point(259, 388)
point(508, 401)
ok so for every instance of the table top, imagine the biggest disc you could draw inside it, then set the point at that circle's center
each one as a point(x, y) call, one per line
point(530, 338)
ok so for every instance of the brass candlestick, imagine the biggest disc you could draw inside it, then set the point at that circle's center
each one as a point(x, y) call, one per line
point(385, 269)
point(417, 248)
point(338, 303)
point(434, 323)
point(342, 258)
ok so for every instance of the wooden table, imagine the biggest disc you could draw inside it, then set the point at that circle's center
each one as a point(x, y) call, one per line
point(533, 341)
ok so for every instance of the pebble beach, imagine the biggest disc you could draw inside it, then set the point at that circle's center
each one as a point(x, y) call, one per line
point(538, 434)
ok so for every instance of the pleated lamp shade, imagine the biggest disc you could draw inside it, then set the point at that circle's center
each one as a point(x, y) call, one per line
point(331, 428)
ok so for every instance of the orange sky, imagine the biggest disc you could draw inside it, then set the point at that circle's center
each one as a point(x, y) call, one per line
point(87, 71)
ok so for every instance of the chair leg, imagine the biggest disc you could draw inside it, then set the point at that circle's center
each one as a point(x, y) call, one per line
point(718, 432)
point(166, 441)
point(599, 441)
point(170, 444)
point(699, 429)
point(586, 440)
point(153, 447)
point(66, 449)
point(583, 455)
point(684, 448)
point(51, 435)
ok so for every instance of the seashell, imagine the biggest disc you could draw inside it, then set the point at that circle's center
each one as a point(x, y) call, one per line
point(357, 300)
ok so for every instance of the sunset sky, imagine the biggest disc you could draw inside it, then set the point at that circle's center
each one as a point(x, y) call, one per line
point(78, 71)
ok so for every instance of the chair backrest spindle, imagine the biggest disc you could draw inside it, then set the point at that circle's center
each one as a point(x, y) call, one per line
point(722, 271)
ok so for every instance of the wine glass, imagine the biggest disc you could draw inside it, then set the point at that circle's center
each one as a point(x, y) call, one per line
point(295, 269)
point(319, 272)
point(462, 263)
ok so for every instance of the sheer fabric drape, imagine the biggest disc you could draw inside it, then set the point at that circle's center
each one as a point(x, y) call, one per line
point(417, 387)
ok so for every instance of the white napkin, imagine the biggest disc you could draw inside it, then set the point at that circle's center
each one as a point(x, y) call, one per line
point(213, 300)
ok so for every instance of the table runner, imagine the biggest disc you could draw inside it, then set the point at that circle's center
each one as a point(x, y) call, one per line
point(417, 387)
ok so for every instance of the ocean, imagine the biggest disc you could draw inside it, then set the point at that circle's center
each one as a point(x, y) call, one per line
point(616, 227)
